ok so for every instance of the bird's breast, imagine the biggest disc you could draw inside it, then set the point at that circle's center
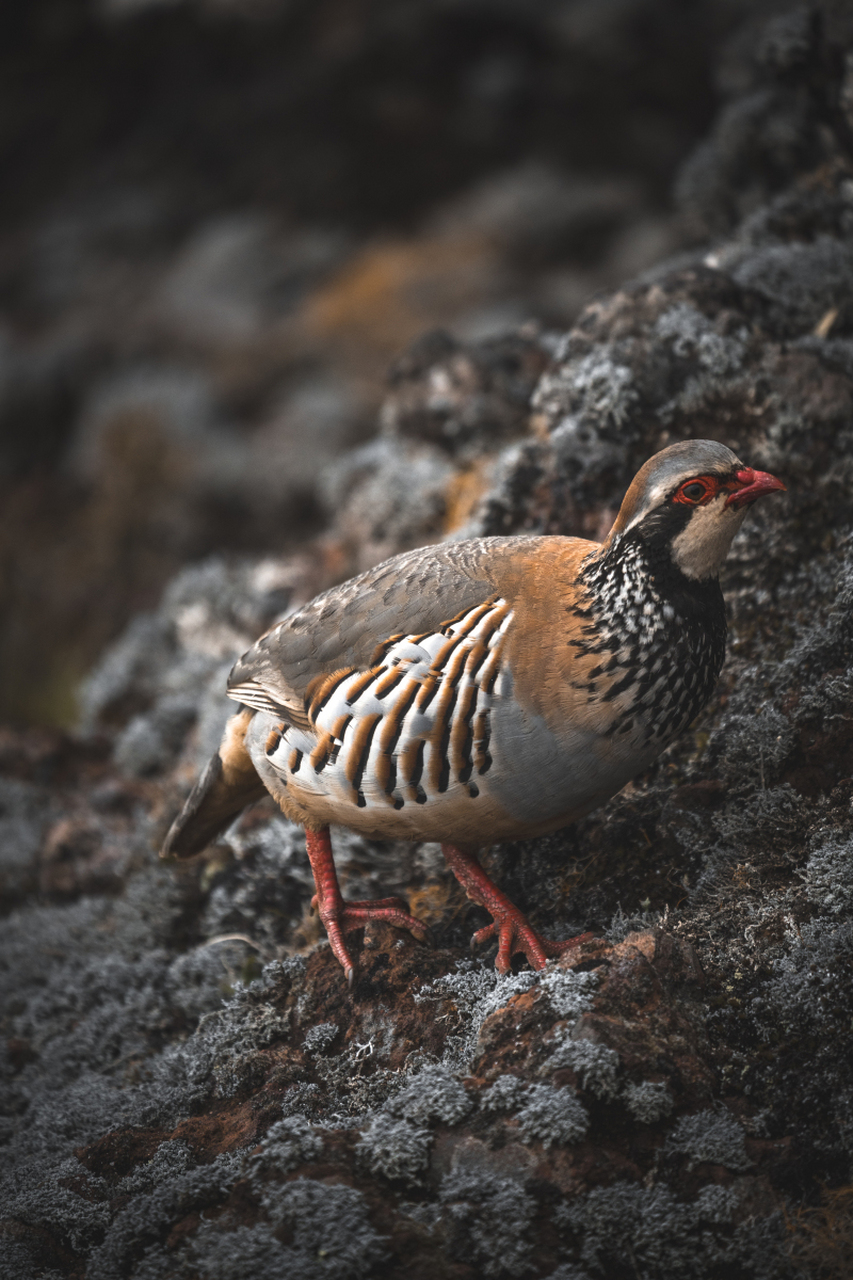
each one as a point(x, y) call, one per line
point(632, 668)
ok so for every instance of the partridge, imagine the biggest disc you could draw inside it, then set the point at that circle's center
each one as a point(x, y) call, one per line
point(484, 690)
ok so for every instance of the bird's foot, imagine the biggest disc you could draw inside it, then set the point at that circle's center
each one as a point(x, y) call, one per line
point(515, 934)
point(510, 926)
point(339, 918)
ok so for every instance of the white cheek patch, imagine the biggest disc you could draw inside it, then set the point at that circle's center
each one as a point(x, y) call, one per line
point(700, 548)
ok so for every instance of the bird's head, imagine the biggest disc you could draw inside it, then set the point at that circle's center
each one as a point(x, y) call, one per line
point(690, 500)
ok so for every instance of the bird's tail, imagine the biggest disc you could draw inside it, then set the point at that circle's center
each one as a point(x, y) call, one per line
point(228, 784)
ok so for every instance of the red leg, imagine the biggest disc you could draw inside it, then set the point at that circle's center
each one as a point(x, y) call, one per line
point(339, 917)
point(512, 928)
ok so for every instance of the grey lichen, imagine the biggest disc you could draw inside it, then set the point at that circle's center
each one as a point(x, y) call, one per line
point(504, 1095)
point(300, 1100)
point(173, 662)
point(595, 1065)
point(431, 1095)
point(286, 1145)
point(170, 1159)
point(757, 744)
point(79, 1216)
point(828, 875)
point(488, 1221)
point(799, 280)
point(397, 1140)
point(692, 335)
point(712, 1136)
point(805, 1003)
point(330, 1234)
point(570, 993)
point(147, 1219)
point(17, 1260)
point(395, 1148)
point(263, 892)
point(595, 388)
point(774, 811)
point(318, 1039)
point(552, 1116)
point(651, 1232)
point(648, 1101)
point(24, 814)
point(247, 1251)
point(477, 991)
point(329, 1226)
point(157, 736)
point(702, 356)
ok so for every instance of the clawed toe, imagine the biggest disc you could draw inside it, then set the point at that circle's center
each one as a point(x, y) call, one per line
point(517, 936)
point(389, 910)
point(340, 918)
point(348, 916)
point(509, 925)
point(483, 935)
point(568, 944)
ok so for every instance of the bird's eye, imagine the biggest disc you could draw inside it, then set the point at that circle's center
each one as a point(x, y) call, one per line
point(695, 491)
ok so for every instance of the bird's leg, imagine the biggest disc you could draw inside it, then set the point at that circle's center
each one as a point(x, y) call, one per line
point(339, 917)
point(512, 928)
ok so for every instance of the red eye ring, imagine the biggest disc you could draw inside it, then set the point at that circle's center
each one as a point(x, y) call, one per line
point(696, 492)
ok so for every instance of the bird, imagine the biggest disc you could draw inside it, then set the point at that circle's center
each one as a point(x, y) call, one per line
point(484, 690)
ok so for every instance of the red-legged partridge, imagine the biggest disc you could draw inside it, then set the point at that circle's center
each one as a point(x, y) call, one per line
point(485, 690)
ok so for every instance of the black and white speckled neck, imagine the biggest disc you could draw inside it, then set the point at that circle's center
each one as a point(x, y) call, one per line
point(662, 638)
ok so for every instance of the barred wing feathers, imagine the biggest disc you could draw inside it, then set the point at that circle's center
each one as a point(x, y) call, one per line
point(349, 628)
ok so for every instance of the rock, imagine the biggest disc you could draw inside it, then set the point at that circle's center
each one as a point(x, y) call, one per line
point(168, 671)
point(467, 399)
point(238, 275)
point(787, 113)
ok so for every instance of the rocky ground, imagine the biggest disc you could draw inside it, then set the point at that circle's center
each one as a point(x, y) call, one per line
point(191, 1091)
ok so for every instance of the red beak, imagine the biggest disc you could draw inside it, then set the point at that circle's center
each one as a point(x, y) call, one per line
point(753, 484)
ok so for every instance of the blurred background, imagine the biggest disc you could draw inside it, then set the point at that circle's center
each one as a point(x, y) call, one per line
point(225, 221)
